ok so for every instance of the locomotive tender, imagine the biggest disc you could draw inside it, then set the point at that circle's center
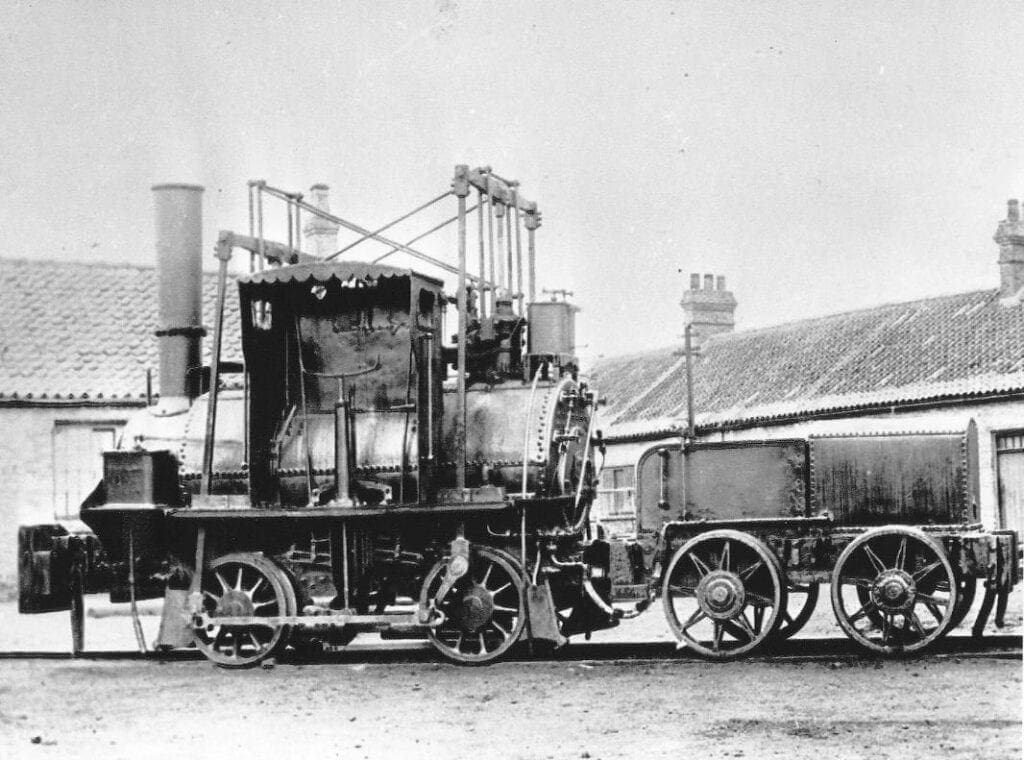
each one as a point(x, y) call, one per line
point(355, 473)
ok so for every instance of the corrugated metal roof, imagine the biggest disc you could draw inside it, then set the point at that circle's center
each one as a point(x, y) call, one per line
point(961, 345)
point(76, 330)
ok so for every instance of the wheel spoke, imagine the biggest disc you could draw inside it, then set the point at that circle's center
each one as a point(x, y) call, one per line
point(861, 612)
point(695, 618)
point(487, 575)
point(683, 590)
point(223, 583)
point(252, 592)
point(238, 580)
point(501, 630)
point(499, 590)
point(936, 612)
point(901, 554)
point(744, 574)
point(760, 600)
point(212, 596)
point(787, 618)
point(458, 644)
point(717, 643)
point(483, 646)
point(501, 608)
point(723, 561)
point(929, 599)
point(915, 622)
point(743, 623)
point(702, 568)
point(925, 571)
point(758, 618)
point(863, 583)
point(879, 565)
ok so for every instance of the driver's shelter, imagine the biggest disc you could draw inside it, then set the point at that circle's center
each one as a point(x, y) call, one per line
point(345, 374)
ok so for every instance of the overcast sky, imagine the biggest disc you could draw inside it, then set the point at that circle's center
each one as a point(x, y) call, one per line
point(823, 156)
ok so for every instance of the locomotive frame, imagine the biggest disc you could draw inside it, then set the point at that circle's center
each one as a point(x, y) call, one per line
point(350, 482)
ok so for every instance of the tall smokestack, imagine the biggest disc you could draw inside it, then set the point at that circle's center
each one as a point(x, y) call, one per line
point(179, 251)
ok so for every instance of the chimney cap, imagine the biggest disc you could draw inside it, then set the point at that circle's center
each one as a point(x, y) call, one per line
point(178, 186)
point(319, 186)
point(1012, 210)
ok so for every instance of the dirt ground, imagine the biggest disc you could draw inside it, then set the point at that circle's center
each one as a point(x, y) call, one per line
point(353, 707)
point(951, 707)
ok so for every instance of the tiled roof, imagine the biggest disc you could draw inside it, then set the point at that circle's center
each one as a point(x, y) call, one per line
point(955, 346)
point(75, 330)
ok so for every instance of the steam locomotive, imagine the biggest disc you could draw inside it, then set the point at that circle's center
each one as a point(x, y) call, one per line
point(358, 472)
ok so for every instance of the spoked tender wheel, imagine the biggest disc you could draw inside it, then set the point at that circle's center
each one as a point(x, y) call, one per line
point(243, 585)
point(485, 609)
point(802, 598)
point(723, 594)
point(894, 590)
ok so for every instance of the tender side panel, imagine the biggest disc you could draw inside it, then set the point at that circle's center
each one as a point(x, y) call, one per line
point(748, 480)
point(876, 480)
point(722, 481)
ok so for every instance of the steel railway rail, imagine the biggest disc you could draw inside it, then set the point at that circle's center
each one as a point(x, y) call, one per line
point(1000, 646)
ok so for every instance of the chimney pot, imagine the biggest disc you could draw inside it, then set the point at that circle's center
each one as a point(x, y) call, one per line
point(721, 282)
point(709, 282)
point(694, 282)
point(321, 234)
point(1012, 210)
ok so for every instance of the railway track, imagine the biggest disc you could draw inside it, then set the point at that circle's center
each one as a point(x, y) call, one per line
point(800, 650)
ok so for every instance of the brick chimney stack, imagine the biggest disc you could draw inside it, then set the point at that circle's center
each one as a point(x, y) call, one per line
point(709, 309)
point(1010, 239)
point(321, 234)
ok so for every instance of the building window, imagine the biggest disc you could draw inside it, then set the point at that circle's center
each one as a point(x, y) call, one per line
point(615, 492)
point(78, 448)
point(1010, 476)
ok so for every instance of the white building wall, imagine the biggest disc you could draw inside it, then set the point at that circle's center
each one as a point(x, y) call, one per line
point(29, 473)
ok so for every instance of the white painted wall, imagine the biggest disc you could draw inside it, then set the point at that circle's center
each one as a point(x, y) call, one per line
point(28, 470)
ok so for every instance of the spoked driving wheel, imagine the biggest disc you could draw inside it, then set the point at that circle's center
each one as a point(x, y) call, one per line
point(244, 585)
point(801, 598)
point(894, 590)
point(485, 609)
point(723, 594)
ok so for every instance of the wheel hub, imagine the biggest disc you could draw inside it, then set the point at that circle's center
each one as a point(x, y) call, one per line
point(893, 591)
point(476, 609)
point(234, 604)
point(720, 594)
